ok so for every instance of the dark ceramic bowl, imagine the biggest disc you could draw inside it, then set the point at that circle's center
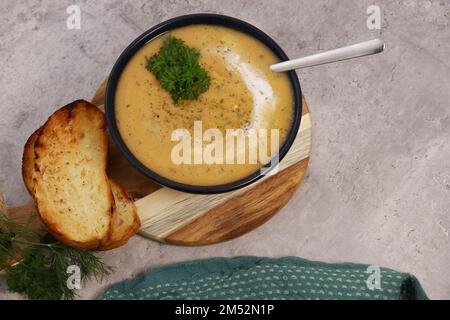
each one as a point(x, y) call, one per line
point(203, 18)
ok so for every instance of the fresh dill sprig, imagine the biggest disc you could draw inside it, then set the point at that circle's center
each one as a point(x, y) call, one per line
point(36, 264)
point(177, 68)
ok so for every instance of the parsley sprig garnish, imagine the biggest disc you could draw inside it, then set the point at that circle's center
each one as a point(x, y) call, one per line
point(177, 68)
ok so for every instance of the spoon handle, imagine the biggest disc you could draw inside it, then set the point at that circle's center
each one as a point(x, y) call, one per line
point(350, 52)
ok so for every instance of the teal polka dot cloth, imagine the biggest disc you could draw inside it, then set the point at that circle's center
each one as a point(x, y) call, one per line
point(249, 278)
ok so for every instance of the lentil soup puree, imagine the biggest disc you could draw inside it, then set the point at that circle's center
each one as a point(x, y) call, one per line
point(243, 93)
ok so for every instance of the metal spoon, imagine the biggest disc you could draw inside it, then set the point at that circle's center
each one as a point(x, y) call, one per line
point(354, 51)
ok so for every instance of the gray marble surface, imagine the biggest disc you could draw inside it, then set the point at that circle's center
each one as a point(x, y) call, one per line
point(378, 186)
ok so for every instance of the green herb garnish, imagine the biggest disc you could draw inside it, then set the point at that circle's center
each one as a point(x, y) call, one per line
point(177, 68)
point(36, 265)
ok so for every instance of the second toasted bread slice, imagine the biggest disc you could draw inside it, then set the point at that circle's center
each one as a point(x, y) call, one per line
point(125, 220)
point(71, 188)
point(28, 162)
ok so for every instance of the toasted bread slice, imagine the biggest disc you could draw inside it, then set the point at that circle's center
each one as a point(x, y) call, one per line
point(125, 220)
point(28, 162)
point(71, 189)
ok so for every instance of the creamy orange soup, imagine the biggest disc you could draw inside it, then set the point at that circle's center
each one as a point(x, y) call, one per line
point(243, 93)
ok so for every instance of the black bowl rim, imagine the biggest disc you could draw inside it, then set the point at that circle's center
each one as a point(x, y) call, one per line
point(180, 21)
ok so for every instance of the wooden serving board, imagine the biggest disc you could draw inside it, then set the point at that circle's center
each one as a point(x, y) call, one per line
point(190, 219)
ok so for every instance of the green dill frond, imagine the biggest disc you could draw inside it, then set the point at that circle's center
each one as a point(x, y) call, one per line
point(37, 265)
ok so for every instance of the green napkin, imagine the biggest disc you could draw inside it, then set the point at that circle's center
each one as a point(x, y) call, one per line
point(264, 278)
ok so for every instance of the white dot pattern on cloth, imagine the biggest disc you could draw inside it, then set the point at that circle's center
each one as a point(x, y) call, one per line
point(272, 281)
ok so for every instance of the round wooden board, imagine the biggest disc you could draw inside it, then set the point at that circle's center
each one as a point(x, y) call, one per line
point(229, 219)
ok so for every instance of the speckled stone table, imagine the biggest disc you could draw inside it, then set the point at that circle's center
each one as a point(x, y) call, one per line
point(378, 186)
